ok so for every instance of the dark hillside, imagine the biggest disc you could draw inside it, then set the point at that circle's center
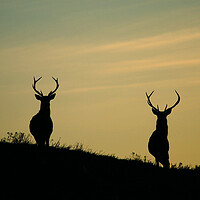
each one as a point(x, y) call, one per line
point(30, 172)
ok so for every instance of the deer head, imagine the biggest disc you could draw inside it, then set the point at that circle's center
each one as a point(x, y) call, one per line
point(156, 111)
point(45, 100)
point(162, 115)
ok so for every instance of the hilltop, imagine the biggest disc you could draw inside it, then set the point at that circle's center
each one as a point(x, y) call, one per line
point(32, 172)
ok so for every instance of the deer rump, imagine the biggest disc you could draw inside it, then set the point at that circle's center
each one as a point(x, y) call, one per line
point(159, 147)
point(41, 128)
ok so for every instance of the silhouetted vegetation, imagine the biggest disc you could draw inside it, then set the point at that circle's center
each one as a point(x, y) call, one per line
point(17, 138)
point(29, 171)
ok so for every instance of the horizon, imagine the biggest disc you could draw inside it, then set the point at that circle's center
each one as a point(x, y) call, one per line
point(106, 55)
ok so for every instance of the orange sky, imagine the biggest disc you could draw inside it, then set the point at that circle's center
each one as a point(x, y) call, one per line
point(106, 54)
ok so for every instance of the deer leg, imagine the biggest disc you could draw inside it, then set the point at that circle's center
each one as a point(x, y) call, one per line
point(38, 141)
point(167, 165)
point(47, 142)
point(157, 162)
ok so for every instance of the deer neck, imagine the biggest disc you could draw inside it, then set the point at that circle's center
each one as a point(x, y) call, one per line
point(161, 126)
point(45, 110)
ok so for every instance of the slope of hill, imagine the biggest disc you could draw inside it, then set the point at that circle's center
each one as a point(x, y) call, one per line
point(31, 172)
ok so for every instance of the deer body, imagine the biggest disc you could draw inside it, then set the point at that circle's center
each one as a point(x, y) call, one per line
point(158, 144)
point(41, 128)
point(41, 125)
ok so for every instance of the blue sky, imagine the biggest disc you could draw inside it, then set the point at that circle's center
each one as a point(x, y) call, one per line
point(85, 21)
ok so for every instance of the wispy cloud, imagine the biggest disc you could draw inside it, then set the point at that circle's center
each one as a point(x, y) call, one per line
point(58, 49)
point(90, 89)
point(180, 82)
point(141, 65)
point(170, 38)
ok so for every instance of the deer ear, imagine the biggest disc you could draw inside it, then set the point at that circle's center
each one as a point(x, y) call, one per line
point(51, 97)
point(168, 111)
point(155, 112)
point(38, 97)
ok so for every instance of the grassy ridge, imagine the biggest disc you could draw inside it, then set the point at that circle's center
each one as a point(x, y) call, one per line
point(32, 172)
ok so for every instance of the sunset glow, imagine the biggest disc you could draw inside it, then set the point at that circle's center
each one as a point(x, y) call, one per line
point(106, 55)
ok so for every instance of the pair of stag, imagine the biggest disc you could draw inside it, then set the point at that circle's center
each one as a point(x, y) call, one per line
point(41, 125)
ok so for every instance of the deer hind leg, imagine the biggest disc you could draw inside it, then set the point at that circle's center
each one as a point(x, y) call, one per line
point(167, 165)
point(157, 162)
point(47, 142)
point(40, 141)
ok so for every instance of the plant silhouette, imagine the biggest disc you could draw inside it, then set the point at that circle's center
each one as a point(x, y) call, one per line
point(41, 125)
point(158, 144)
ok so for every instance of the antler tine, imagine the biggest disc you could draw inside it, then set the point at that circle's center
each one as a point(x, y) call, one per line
point(148, 100)
point(34, 86)
point(57, 86)
point(177, 102)
point(151, 93)
point(37, 79)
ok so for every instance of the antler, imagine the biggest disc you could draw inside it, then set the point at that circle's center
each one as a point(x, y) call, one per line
point(34, 86)
point(177, 102)
point(149, 102)
point(57, 86)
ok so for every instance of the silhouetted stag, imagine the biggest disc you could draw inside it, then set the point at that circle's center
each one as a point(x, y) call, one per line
point(41, 125)
point(158, 143)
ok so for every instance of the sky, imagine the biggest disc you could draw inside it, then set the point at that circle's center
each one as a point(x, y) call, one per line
point(106, 55)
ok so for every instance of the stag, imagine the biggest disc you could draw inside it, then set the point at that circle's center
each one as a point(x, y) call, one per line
point(41, 125)
point(158, 144)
